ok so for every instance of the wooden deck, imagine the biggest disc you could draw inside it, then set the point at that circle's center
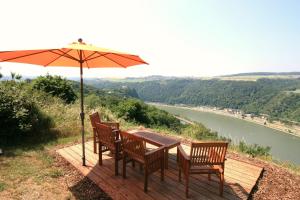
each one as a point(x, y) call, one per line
point(240, 178)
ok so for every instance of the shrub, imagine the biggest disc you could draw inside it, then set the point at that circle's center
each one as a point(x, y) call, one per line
point(56, 86)
point(254, 149)
point(92, 101)
point(158, 117)
point(19, 114)
point(132, 110)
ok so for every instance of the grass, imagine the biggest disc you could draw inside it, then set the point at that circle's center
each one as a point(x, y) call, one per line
point(2, 186)
point(30, 168)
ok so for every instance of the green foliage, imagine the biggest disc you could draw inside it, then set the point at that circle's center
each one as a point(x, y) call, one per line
point(254, 150)
point(199, 132)
point(56, 86)
point(274, 97)
point(19, 113)
point(132, 110)
point(15, 76)
point(92, 101)
point(2, 186)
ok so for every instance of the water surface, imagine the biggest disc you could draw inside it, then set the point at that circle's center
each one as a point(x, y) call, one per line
point(284, 147)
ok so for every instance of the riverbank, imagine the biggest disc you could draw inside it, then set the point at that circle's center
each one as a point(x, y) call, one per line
point(292, 130)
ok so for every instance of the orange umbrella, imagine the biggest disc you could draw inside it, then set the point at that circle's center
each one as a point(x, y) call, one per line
point(77, 54)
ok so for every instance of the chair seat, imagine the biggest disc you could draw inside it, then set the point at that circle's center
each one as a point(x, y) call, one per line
point(206, 169)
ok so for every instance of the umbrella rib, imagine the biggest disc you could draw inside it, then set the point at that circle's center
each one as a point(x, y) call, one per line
point(120, 55)
point(61, 55)
point(85, 60)
point(113, 60)
point(31, 54)
point(96, 56)
point(68, 55)
point(90, 56)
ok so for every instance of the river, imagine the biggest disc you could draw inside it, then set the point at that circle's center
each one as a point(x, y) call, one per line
point(284, 147)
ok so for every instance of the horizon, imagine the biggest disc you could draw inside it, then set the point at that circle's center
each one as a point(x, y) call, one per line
point(177, 38)
point(8, 76)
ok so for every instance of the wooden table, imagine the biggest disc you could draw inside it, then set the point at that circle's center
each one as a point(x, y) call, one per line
point(157, 140)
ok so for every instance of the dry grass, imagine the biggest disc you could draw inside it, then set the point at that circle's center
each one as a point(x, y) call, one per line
point(43, 175)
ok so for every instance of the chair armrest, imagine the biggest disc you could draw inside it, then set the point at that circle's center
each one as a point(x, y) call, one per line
point(159, 150)
point(114, 124)
point(118, 141)
point(182, 153)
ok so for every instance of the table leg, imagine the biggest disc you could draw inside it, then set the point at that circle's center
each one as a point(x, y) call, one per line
point(166, 158)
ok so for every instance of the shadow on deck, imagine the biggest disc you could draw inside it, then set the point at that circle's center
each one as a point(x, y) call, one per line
point(240, 178)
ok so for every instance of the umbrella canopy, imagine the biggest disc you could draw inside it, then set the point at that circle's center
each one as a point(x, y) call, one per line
point(77, 54)
point(72, 56)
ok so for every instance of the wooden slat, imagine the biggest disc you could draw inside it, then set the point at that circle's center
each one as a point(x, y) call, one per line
point(240, 178)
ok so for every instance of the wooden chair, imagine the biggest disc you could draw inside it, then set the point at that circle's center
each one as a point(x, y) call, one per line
point(95, 118)
point(134, 148)
point(107, 138)
point(205, 158)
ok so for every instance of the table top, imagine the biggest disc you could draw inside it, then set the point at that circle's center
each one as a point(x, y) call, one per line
point(155, 138)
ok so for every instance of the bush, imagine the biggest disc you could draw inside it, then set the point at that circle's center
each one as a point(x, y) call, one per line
point(158, 117)
point(19, 114)
point(132, 110)
point(92, 101)
point(56, 86)
point(254, 150)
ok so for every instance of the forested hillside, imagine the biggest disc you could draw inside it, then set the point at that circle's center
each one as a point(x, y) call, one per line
point(278, 98)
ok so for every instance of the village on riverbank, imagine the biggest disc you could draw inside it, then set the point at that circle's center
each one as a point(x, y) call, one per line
point(292, 128)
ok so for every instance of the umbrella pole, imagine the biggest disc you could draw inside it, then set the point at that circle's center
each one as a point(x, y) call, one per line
point(82, 110)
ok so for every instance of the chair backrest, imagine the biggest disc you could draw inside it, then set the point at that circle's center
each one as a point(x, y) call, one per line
point(95, 118)
point(208, 153)
point(106, 135)
point(133, 145)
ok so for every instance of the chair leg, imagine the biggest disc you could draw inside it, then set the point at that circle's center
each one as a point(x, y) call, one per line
point(116, 165)
point(162, 171)
point(187, 186)
point(141, 167)
point(100, 154)
point(133, 163)
point(146, 181)
point(124, 166)
point(179, 174)
point(166, 158)
point(116, 159)
point(221, 184)
point(209, 177)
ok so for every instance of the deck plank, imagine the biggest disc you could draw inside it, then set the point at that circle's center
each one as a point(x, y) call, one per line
point(240, 178)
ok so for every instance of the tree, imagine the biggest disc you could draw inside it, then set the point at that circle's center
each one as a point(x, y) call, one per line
point(56, 86)
point(132, 110)
point(15, 76)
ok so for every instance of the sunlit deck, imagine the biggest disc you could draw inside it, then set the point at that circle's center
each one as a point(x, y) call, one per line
point(240, 178)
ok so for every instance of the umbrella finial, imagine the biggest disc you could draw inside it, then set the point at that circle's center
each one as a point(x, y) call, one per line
point(80, 40)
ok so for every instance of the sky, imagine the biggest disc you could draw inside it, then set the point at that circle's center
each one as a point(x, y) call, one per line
point(196, 38)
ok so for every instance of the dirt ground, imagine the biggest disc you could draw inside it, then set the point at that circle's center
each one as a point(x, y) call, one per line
point(275, 182)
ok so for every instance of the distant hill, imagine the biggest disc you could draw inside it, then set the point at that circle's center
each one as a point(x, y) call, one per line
point(277, 97)
point(254, 76)
point(265, 74)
